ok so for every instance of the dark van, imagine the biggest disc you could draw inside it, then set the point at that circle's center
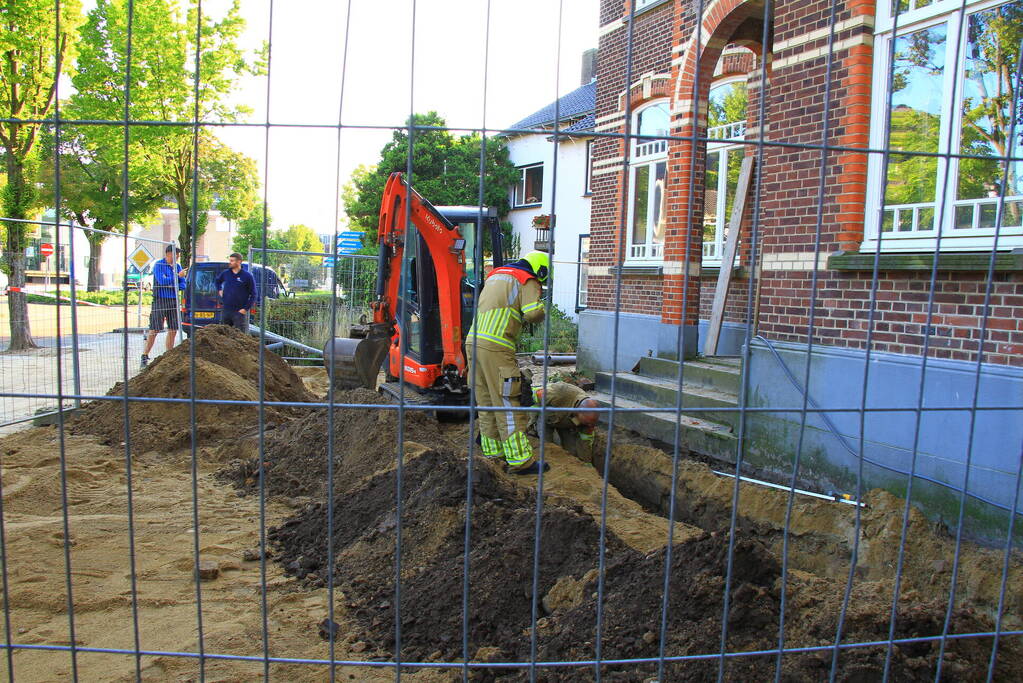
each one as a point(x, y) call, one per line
point(202, 304)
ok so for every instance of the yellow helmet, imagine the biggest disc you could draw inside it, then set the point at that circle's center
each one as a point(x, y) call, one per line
point(540, 262)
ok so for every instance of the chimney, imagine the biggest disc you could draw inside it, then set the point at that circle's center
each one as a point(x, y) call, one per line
point(589, 72)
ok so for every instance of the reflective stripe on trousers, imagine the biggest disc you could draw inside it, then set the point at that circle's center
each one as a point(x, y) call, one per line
point(517, 450)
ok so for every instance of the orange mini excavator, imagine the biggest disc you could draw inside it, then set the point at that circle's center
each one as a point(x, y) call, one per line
point(430, 267)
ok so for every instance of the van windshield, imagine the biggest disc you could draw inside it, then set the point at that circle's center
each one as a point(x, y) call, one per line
point(204, 278)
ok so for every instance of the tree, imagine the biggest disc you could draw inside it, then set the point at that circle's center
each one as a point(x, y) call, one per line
point(32, 57)
point(162, 88)
point(445, 170)
point(92, 189)
point(250, 233)
point(302, 238)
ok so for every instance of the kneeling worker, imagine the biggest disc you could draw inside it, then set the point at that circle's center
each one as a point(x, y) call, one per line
point(511, 296)
point(574, 431)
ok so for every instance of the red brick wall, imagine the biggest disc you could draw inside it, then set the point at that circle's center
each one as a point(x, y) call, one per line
point(790, 194)
point(900, 312)
point(735, 304)
point(651, 55)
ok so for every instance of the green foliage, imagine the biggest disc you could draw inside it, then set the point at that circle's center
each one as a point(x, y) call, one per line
point(307, 319)
point(445, 170)
point(912, 178)
point(161, 87)
point(302, 238)
point(250, 233)
point(729, 108)
point(33, 56)
point(564, 334)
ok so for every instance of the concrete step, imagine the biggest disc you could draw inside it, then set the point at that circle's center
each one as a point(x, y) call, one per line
point(662, 393)
point(721, 376)
point(697, 435)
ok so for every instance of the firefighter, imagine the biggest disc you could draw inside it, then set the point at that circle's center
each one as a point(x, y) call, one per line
point(574, 431)
point(511, 297)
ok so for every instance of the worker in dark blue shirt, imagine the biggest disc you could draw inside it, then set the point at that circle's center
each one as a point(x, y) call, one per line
point(238, 292)
point(168, 278)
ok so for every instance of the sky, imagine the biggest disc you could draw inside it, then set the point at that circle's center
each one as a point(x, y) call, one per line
point(443, 65)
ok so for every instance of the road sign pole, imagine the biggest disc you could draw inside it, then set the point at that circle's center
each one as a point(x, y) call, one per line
point(74, 316)
point(138, 290)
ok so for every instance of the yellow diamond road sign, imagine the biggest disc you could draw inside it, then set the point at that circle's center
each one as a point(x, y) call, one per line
point(141, 257)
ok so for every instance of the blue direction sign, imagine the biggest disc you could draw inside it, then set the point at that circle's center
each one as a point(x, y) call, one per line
point(328, 262)
point(345, 249)
point(349, 236)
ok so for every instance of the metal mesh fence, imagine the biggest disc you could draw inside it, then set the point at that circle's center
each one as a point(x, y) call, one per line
point(309, 310)
point(220, 516)
point(103, 319)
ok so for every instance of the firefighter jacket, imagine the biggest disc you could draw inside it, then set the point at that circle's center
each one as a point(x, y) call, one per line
point(559, 395)
point(511, 296)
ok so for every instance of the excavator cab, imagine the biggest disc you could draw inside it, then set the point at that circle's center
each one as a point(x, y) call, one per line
point(418, 307)
point(430, 268)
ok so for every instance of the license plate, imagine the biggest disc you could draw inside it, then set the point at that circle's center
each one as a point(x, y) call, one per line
point(203, 314)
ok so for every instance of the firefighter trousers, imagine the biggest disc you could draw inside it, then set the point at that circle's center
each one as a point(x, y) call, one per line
point(497, 383)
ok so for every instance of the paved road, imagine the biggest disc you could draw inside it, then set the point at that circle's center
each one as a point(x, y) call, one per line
point(100, 356)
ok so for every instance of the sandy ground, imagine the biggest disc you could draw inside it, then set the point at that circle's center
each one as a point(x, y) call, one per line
point(164, 542)
point(165, 537)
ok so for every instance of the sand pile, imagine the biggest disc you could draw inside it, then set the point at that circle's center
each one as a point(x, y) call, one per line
point(365, 441)
point(501, 560)
point(227, 368)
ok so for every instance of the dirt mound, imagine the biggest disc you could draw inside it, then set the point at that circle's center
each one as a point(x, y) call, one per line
point(501, 555)
point(227, 368)
point(632, 613)
point(501, 569)
point(365, 441)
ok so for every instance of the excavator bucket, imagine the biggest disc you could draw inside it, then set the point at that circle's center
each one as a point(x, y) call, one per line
point(353, 363)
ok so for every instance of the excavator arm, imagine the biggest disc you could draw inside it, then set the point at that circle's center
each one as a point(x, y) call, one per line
point(356, 362)
point(446, 245)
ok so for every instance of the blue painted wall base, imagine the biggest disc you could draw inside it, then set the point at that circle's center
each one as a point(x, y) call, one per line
point(943, 441)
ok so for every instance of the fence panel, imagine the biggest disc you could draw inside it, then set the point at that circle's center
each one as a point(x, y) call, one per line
point(837, 498)
point(310, 305)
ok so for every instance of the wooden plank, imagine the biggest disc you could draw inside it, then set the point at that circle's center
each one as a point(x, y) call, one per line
point(717, 311)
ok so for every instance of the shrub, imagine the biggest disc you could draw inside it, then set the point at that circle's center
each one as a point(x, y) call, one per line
point(564, 334)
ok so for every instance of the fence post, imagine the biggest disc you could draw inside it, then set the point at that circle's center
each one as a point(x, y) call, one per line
point(351, 288)
point(74, 313)
point(138, 308)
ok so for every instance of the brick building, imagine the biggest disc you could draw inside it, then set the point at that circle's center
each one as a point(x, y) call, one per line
point(926, 78)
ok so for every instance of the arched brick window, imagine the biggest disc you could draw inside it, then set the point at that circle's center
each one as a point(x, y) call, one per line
point(647, 177)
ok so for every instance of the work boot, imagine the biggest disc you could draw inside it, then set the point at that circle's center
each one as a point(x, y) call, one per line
point(532, 469)
point(144, 363)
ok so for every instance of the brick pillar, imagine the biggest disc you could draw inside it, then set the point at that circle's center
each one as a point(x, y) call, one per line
point(855, 123)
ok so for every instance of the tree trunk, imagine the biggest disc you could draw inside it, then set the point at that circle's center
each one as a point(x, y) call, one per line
point(95, 249)
point(184, 225)
point(15, 205)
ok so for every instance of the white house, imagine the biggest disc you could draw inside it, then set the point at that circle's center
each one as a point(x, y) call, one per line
point(565, 195)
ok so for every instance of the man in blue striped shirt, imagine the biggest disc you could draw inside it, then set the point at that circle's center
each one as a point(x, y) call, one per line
point(168, 278)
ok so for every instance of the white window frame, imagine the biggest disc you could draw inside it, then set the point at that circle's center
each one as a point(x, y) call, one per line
point(519, 191)
point(729, 131)
point(588, 181)
point(976, 239)
point(650, 153)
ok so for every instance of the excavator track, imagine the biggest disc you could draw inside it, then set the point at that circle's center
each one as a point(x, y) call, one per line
point(392, 390)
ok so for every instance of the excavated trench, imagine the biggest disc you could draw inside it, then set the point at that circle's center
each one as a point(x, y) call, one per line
point(501, 555)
